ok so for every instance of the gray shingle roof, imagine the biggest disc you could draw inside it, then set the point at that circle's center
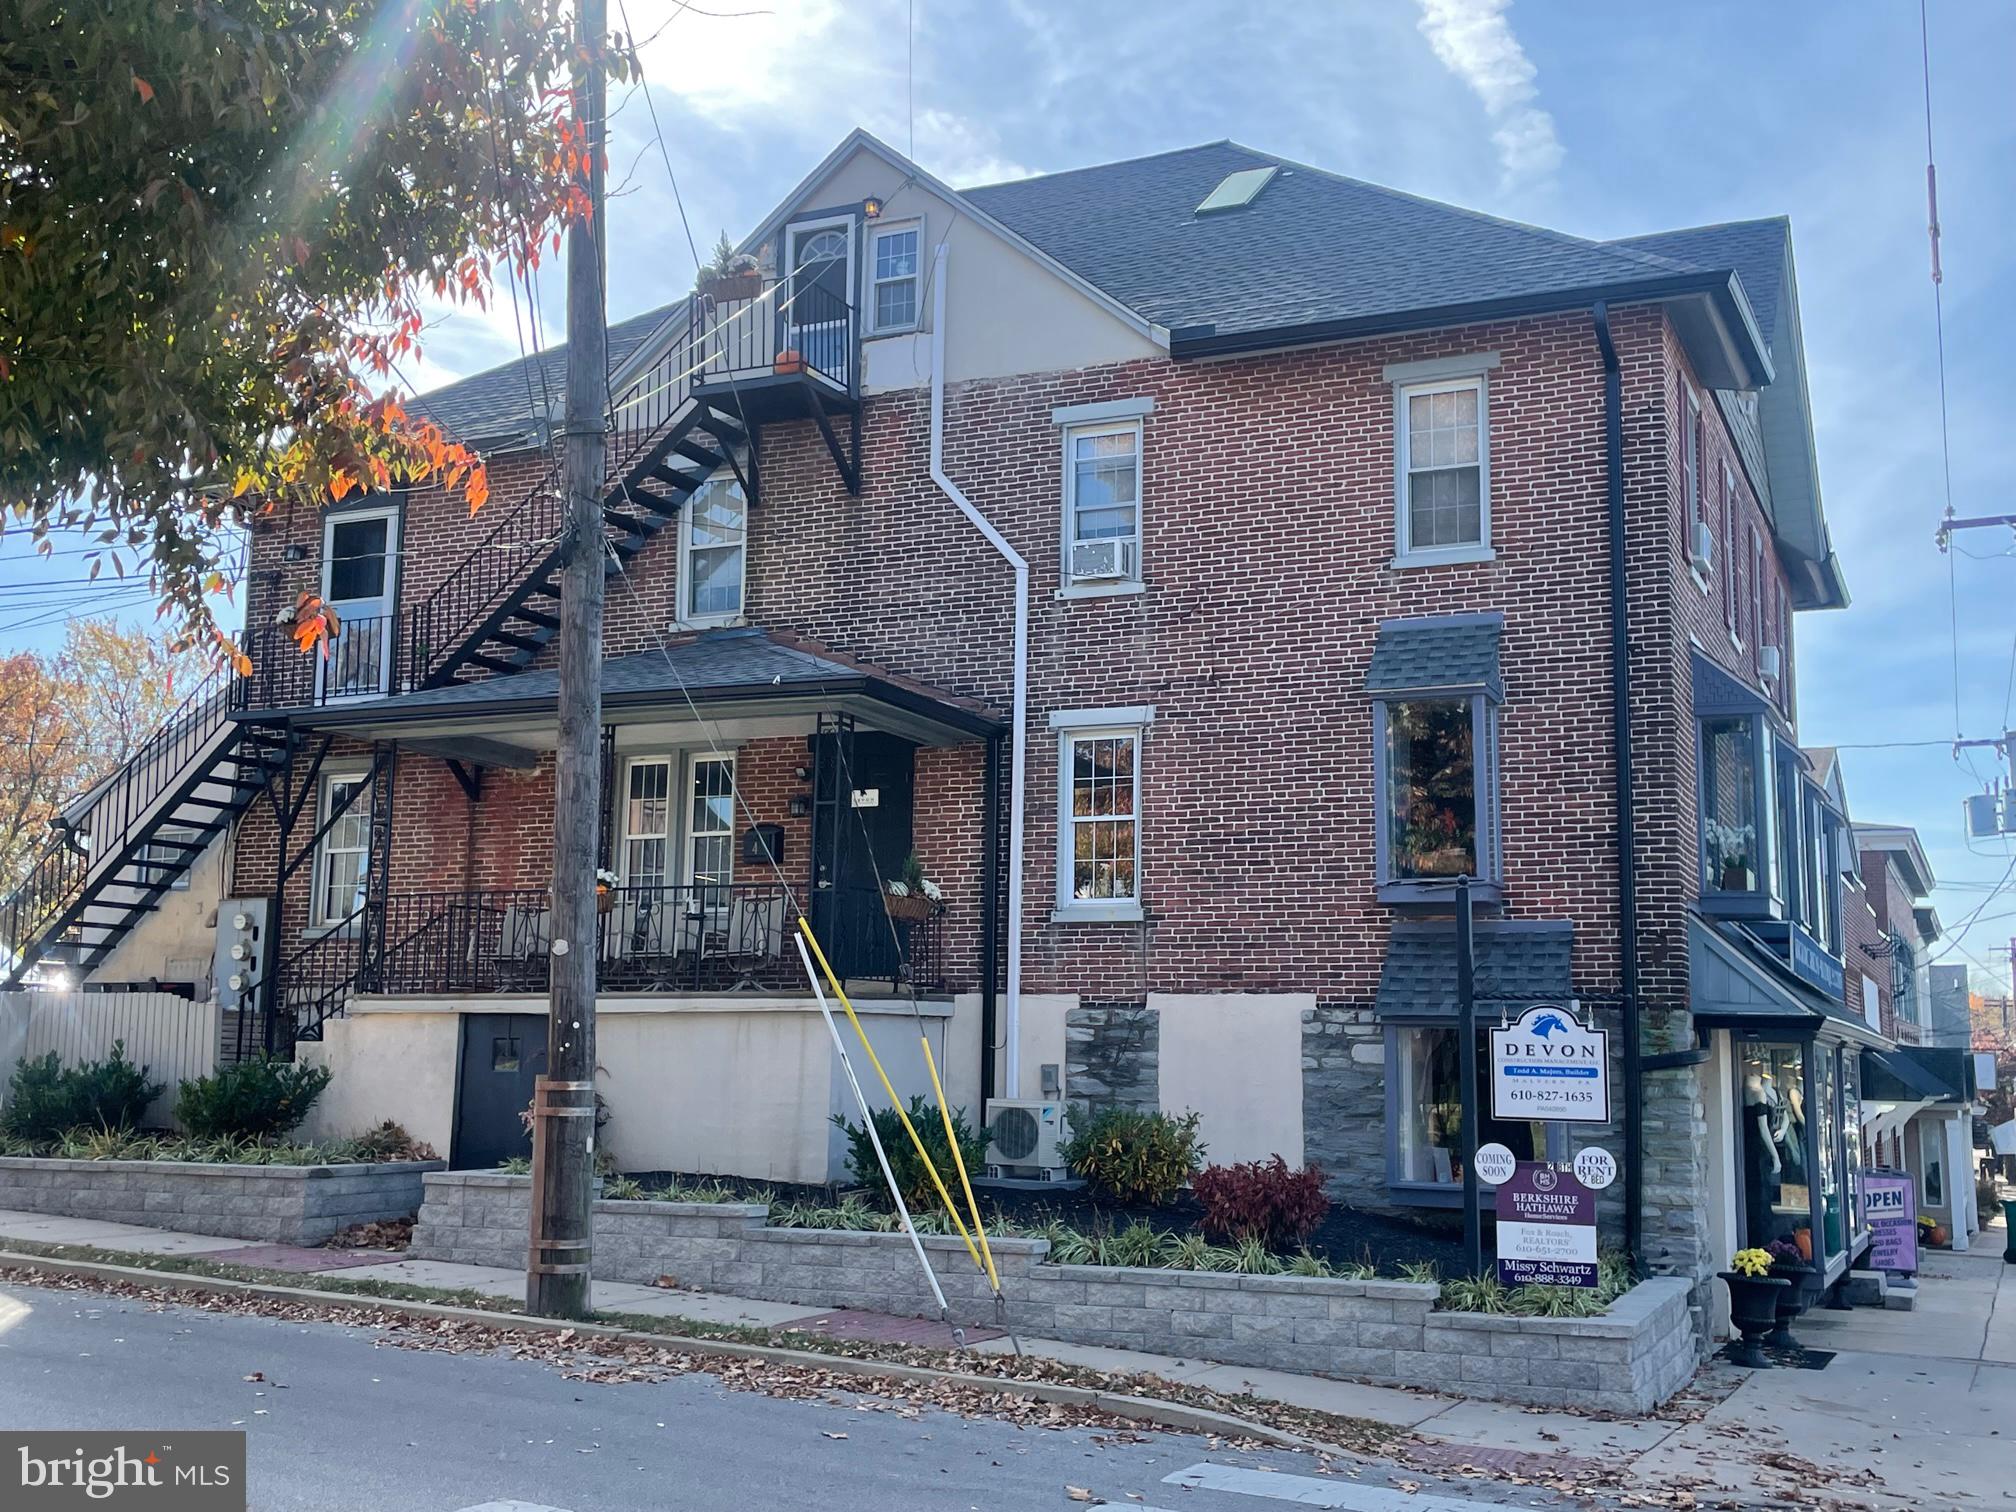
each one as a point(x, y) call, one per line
point(1313, 246)
point(503, 401)
point(713, 665)
point(1755, 249)
point(1445, 651)
point(1518, 963)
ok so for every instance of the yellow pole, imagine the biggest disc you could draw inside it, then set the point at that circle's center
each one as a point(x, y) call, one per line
point(959, 1160)
point(916, 1142)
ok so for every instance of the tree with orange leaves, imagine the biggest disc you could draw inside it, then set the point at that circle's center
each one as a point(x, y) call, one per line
point(218, 223)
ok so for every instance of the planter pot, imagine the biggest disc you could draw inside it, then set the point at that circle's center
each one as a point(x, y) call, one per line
point(605, 899)
point(1792, 1301)
point(732, 287)
point(1803, 1237)
point(1938, 1236)
point(910, 909)
point(790, 360)
point(1753, 1308)
point(1735, 877)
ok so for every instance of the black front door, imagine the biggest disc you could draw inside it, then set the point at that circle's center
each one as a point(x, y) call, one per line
point(869, 843)
point(502, 1053)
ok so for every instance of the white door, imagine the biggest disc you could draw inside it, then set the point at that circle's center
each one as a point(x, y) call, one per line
point(360, 557)
point(816, 319)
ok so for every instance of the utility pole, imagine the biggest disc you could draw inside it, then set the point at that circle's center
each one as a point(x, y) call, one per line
point(563, 1102)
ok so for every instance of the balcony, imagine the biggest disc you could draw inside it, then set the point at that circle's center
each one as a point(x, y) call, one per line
point(696, 938)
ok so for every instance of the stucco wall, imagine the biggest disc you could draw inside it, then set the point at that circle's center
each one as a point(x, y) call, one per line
point(1236, 1058)
point(728, 1085)
point(175, 940)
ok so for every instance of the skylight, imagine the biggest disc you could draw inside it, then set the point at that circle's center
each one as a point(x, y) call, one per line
point(1237, 189)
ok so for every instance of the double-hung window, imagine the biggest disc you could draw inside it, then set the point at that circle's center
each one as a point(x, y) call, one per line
point(1690, 457)
point(343, 857)
point(1102, 504)
point(1444, 468)
point(168, 854)
point(1099, 812)
point(713, 554)
point(1728, 551)
point(892, 278)
point(710, 822)
point(1434, 685)
point(647, 822)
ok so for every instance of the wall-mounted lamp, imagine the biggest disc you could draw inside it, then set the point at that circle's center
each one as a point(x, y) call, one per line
point(871, 208)
point(295, 553)
point(798, 806)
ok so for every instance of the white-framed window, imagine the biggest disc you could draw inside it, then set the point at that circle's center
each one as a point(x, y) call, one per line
point(646, 856)
point(894, 254)
point(1443, 508)
point(169, 847)
point(1690, 457)
point(710, 820)
point(713, 551)
point(343, 856)
point(1099, 812)
point(1102, 504)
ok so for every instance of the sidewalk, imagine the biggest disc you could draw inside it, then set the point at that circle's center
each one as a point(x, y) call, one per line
point(1914, 1405)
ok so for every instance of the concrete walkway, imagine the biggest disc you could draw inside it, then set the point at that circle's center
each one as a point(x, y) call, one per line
point(1916, 1409)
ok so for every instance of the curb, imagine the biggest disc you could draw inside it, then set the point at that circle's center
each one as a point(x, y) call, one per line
point(1171, 1415)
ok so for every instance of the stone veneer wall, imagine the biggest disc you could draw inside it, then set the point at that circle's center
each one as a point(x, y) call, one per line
point(1386, 1332)
point(1112, 1056)
point(276, 1204)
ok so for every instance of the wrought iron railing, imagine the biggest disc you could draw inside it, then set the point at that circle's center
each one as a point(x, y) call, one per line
point(703, 937)
point(113, 818)
point(364, 659)
point(776, 328)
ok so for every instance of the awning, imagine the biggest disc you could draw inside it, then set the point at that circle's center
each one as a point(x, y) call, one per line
point(1740, 983)
point(1518, 963)
point(1882, 1118)
point(1442, 653)
point(1901, 1076)
point(744, 672)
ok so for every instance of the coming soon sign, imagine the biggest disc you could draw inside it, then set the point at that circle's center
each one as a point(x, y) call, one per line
point(1548, 1066)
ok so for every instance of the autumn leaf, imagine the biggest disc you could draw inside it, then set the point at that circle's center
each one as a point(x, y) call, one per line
point(146, 90)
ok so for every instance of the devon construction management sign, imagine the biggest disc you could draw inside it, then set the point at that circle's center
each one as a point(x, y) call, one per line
point(1547, 1066)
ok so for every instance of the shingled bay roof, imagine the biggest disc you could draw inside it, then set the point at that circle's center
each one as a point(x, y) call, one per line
point(1518, 963)
point(1455, 651)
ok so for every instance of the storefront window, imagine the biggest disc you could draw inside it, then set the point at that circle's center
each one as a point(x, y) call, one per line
point(1729, 852)
point(1426, 1100)
point(1826, 1091)
point(1851, 1138)
point(1777, 1186)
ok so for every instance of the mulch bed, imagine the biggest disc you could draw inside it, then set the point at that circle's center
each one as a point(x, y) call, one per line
point(1348, 1235)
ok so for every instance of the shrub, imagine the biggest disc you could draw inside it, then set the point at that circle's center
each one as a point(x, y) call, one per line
point(1133, 1156)
point(45, 1100)
point(389, 1141)
point(912, 1179)
point(254, 1099)
point(1264, 1200)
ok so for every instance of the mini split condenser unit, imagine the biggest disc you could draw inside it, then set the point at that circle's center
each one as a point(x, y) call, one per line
point(1026, 1136)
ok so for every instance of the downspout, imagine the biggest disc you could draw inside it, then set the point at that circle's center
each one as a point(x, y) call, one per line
point(1620, 734)
point(1011, 1024)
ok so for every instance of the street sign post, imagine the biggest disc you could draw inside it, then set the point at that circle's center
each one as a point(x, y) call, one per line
point(1547, 1065)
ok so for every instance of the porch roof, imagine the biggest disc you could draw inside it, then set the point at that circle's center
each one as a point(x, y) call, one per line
point(740, 670)
point(1519, 962)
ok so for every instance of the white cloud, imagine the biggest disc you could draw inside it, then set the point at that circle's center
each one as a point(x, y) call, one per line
point(1474, 41)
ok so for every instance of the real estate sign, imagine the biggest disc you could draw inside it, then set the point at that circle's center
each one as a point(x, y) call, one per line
point(1890, 1200)
point(1547, 1065)
point(1546, 1227)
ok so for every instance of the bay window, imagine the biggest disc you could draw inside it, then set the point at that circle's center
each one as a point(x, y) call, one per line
point(1424, 1106)
point(1435, 766)
point(1729, 809)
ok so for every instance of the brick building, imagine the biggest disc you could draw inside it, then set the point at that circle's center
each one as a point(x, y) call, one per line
point(1198, 563)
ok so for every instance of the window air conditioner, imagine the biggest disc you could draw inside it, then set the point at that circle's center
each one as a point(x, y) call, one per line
point(1769, 663)
point(1702, 552)
point(1101, 561)
point(1026, 1136)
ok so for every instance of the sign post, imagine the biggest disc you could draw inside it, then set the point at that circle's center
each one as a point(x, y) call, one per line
point(1466, 1042)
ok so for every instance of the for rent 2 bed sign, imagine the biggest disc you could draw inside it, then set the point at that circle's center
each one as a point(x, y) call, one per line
point(1548, 1066)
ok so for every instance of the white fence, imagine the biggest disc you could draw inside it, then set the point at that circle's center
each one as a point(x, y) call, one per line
point(172, 1037)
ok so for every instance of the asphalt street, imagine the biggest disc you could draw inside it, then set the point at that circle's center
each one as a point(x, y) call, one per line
point(337, 1418)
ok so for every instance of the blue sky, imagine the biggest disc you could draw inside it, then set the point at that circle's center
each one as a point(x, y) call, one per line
point(1602, 121)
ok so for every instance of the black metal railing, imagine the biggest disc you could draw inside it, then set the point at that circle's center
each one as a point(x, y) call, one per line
point(777, 327)
point(111, 820)
point(363, 659)
point(703, 937)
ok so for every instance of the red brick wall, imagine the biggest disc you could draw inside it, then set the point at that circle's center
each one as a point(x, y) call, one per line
point(1268, 538)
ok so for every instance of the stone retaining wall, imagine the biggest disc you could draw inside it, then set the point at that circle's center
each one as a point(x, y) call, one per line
point(276, 1204)
point(1386, 1332)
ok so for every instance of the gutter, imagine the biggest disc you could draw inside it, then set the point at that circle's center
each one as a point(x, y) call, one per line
point(1019, 726)
point(1620, 734)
